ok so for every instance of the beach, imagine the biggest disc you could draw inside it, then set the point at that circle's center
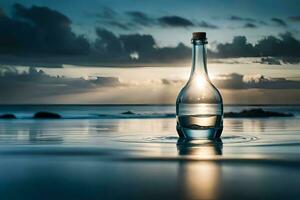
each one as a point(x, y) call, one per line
point(102, 152)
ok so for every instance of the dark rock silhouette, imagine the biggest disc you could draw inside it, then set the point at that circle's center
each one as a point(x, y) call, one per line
point(7, 116)
point(46, 115)
point(170, 115)
point(128, 113)
point(256, 113)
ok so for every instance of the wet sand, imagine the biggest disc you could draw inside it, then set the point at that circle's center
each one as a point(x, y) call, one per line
point(144, 159)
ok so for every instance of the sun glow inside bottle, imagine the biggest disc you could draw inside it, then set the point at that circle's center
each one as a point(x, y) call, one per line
point(199, 106)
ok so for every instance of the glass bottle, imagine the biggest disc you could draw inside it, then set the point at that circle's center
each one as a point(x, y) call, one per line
point(199, 107)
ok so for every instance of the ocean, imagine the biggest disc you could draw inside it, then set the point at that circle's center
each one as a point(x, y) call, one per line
point(115, 111)
point(98, 152)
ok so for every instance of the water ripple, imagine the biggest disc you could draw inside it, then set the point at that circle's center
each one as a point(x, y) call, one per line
point(173, 139)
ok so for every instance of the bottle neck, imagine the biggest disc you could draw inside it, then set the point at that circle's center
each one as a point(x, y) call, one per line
point(199, 59)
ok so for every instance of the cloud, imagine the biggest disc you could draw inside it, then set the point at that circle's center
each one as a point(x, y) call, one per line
point(247, 19)
point(269, 61)
point(39, 30)
point(204, 24)
point(137, 19)
point(294, 18)
point(286, 47)
point(250, 25)
point(120, 25)
point(141, 18)
point(230, 81)
point(238, 48)
point(37, 84)
point(39, 35)
point(165, 81)
point(175, 21)
point(109, 46)
point(238, 18)
point(279, 22)
point(236, 81)
point(179, 53)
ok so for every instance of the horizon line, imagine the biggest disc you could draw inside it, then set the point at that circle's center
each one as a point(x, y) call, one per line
point(140, 104)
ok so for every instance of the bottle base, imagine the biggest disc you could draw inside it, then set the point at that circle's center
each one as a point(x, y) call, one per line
point(209, 133)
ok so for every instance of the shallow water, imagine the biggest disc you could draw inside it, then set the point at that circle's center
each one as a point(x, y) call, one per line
point(144, 158)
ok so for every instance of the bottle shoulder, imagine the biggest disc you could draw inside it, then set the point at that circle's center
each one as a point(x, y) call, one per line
point(199, 90)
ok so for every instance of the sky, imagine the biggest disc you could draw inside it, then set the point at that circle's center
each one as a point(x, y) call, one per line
point(129, 51)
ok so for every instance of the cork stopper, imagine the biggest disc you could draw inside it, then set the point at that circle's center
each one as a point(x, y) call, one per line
point(199, 36)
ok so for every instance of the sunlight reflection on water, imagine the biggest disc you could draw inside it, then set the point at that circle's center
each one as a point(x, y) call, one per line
point(156, 135)
point(94, 158)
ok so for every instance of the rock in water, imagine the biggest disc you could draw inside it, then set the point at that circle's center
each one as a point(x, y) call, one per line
point(46, 115)
point(128, 113)
point(253, 113)
point(7, 116)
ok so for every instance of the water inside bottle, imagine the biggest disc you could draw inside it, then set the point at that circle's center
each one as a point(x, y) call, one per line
point(200, 121)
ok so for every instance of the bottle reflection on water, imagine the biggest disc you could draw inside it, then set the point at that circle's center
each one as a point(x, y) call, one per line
point(199, 147)
point(199, 107)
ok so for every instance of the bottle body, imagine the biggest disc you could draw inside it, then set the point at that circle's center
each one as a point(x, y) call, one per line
point(199, 106)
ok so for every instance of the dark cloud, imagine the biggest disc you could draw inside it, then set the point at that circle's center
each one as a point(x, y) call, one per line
point(235, 18)
point(250, 25)
point(120, 25)
point(107, 43)
point(144, 45)
point(137, 19)
point(46, 35)
point(286, 47)
point(279, 22)
point(33, 84)
point(175, 21)
point(171, 54)
point(294, 18)
point(249, 21)
point(39, 35)
point(238, 48)
point(238, 18)
point(109, 46)
point(39, 30)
